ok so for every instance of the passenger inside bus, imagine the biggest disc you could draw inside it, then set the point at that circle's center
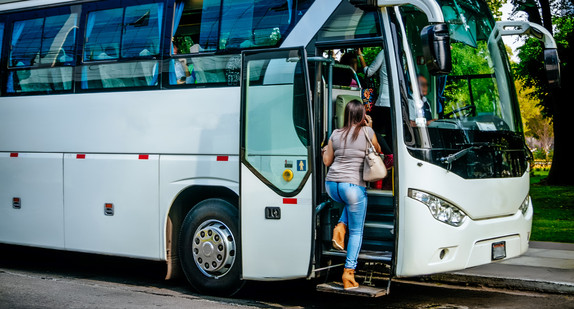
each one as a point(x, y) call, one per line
point(347, 76)
point(381, 111)
point(427, 112)
point(183, 75)
point(347, 87)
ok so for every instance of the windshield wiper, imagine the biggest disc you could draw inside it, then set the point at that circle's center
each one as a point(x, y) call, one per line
point(459, 154)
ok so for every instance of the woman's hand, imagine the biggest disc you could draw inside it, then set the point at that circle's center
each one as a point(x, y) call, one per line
point(368, 121)
point(328, 154)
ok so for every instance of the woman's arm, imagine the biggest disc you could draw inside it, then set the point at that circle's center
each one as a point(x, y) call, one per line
point(328, 154)
point(376, 143)
point(374, 140)
point(375, 65)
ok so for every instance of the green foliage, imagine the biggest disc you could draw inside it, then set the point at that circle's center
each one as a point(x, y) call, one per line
point(539, 154)
point(531, 66)
point(496, 6)
point(553, 211)
point(369, 54)
point(468, 60)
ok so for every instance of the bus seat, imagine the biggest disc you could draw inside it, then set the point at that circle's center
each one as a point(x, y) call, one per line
point(340, 104)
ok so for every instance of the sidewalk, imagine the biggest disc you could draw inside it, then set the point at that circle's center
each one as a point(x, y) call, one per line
point(546, 267)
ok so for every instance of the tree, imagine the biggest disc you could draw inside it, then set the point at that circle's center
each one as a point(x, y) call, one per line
point(556, 102)
point(541, 128)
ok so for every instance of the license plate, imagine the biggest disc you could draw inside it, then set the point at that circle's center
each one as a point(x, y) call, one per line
point(498, 250)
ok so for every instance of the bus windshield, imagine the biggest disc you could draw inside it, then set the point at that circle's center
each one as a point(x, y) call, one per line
point(472, 123)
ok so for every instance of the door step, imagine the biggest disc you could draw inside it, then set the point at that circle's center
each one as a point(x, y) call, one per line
point(378, 256)
point(362, 290)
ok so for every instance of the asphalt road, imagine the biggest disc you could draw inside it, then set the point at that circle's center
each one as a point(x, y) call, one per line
point(38, 278)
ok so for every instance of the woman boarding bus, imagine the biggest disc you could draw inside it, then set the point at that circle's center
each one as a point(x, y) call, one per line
point(217, 171)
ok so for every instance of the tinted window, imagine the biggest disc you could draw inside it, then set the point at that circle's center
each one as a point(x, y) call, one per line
point(243, 23)
point(26, 42)
point(40, 48)
point(142, 26)
point(349, 22)
point(202, 70)
point(122, 34)
point(103, 33)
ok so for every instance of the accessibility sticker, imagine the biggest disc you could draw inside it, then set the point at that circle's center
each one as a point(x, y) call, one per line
point(301, 165)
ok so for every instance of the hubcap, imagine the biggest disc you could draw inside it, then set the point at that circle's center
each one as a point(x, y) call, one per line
point(213, 248)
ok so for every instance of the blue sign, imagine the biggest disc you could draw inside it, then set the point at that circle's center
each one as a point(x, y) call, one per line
point(301, 165)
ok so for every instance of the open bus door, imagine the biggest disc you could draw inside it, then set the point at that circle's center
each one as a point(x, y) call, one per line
point(276, 192)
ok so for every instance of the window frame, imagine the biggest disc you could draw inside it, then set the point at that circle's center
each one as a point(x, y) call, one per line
point(88, 8)
point(34, 13)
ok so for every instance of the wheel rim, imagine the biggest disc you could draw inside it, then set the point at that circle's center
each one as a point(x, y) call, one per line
point(213, 248)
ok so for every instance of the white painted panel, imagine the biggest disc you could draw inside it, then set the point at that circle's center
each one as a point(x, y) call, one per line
point(131, 185)
point(35, 178)
point(187, 121)
point(422, 238)
point(274, 249)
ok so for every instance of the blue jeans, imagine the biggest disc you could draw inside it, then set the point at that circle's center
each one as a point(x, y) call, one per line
point(355, 199)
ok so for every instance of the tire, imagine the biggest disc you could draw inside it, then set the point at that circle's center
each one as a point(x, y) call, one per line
point(209, 248)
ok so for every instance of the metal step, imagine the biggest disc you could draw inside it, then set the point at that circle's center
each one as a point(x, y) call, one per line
point(362, 290)
point(368, 255)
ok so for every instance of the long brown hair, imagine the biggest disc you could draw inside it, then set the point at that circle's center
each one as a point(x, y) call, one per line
point(354, 116)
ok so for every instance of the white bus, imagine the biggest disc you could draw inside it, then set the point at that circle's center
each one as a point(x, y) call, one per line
point(188, 131)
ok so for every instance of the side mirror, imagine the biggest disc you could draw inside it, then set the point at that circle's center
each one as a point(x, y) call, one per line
point(551, 60)
point(436, 48)
point(552, 67)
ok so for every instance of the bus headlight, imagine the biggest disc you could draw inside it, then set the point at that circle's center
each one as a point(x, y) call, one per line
point(440, 209)
point(524, 206)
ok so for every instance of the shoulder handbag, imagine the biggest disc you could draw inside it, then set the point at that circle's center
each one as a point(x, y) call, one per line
point(373, 168)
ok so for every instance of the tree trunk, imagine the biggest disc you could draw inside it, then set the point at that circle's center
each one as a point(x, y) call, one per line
point(546, 14)
point(562, 170)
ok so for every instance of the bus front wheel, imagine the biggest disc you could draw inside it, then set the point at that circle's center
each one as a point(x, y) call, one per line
point(209, 248)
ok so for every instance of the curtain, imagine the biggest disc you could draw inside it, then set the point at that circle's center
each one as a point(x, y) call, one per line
point(176, 19)
point(17, 32)
point(290, 8)
point(1, 36)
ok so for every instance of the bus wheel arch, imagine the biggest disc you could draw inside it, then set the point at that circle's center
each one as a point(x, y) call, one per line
point(185, 202)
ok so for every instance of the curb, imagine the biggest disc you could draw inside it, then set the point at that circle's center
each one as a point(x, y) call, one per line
point(499, 282)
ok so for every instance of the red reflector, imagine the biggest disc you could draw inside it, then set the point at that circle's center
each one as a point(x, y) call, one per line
point(144, 157)
point(289, 201)
point(109, 205)
point(16, 200)
point(14, 155)
point(80, 156)
point(222, 158)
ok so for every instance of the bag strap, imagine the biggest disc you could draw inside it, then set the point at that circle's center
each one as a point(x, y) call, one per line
point(367, 136)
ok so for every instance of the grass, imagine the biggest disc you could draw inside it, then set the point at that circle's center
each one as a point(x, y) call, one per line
point(553, 210)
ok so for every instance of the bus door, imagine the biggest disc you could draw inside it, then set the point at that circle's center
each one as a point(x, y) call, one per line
point(276, 192)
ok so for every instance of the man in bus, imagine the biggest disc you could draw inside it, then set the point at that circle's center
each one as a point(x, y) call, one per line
point(427, 112)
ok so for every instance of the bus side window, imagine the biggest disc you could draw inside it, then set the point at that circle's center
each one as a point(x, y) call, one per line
point(121, 47)
point(198, 28)
point(41, 56)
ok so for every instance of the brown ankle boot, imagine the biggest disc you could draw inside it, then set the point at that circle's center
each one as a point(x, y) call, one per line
point(339, 236)
point(349, 279)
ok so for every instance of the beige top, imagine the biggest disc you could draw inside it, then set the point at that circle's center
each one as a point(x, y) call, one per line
point(348, 163)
